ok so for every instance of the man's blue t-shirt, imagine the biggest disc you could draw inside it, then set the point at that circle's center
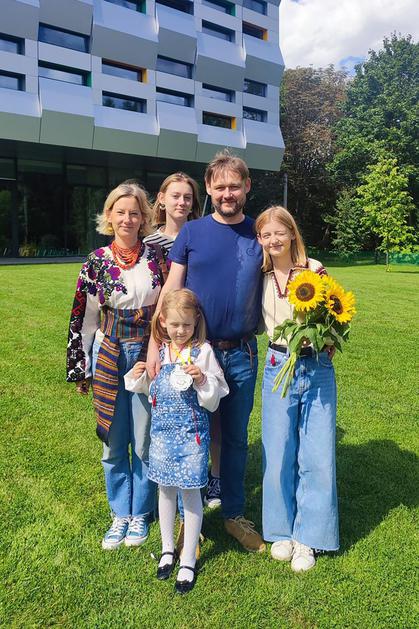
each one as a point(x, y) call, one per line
point(224, 271)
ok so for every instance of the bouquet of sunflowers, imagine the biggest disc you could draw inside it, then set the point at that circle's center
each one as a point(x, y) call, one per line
point(322, 315)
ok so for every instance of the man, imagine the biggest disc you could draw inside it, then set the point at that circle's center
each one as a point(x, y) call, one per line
point(219, 259)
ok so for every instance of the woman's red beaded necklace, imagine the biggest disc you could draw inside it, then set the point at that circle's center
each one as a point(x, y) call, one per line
point(125, 258)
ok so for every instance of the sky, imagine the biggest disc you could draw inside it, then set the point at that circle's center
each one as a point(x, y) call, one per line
point(321, 32)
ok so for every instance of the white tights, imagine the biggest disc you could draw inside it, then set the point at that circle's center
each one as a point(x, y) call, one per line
point(192, 505)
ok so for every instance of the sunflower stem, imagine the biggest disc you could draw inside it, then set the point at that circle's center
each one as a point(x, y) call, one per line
point(285, 374)
point(280, 376)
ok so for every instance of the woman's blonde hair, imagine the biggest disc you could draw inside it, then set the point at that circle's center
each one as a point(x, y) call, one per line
point(159, 210)
point(125, 190)
point(280, 214)
point(182, 299)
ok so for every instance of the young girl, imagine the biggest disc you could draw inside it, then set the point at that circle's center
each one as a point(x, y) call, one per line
point(188, 387)
point(300, 511)
point(177, 202)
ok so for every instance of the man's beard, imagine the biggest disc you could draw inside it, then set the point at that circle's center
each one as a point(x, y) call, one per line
point(236, 209)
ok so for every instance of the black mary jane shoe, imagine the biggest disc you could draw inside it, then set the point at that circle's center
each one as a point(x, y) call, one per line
point(183, 587)
point(165, 571)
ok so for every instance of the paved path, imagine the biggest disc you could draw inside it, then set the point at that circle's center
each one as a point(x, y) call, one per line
point(24, 260)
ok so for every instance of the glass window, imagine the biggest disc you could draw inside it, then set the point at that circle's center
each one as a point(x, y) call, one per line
point(210, 91)
point(180, 5)
point(217, 120)
point(255, 5)
point(254, 114)
point(171, 66)
point(219, 5)
point(130, 4)
point(12, 81)
point(125, 72)
point(61, 73)
point(12, 44)
point(254, 87)
point(176, 98)
point(66, 39)
point(217, 31)
point(254, 31)
point(78, 174)
point(124, 102)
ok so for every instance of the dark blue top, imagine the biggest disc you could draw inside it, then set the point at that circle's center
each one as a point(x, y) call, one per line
point(224, 271)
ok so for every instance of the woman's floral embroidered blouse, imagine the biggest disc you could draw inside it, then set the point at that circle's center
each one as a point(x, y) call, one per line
point(101, 283)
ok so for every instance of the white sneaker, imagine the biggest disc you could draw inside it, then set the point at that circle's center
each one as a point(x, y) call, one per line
point(116, 534)
point(137, 532)
point(302, 558)
point(282, 550)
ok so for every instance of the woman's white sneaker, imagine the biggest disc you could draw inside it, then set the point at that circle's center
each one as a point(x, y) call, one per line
point(116, 534)
point(302, 558)
point(282, 550)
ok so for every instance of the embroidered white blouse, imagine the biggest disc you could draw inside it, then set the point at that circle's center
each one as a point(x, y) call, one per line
point(209, 393)
point(275, 305)
point(101, 283)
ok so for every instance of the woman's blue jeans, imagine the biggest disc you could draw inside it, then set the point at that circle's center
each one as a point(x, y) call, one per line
point(299, 461)
point(129, 491)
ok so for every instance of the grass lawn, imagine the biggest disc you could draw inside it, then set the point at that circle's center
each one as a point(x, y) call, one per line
point(53, 571)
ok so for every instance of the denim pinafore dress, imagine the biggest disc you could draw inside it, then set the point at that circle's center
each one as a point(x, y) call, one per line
point(179, 434)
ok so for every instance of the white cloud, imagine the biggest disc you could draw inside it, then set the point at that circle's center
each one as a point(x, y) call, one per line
point(320, 32)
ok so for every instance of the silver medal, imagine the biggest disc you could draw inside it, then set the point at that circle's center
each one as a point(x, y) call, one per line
point(180, 380)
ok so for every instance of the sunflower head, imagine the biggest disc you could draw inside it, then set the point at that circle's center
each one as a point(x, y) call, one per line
point(339, 303)
point(306, 291)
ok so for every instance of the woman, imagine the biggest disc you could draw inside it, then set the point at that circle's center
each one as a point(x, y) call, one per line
point(177, 202)
point(117, 289)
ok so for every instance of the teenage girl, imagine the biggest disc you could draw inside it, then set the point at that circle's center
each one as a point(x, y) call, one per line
point(188, 387)
point(300, 511)
point(177, 202)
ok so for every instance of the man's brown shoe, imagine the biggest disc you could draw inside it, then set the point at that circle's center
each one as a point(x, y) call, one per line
point(244, 532)
point(180, 541)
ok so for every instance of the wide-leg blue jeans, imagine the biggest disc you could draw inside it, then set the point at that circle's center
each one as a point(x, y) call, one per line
point(299, 462)
point(129, 491)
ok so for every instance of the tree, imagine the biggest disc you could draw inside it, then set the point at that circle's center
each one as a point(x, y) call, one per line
point(310, 107)
point(381, 113)
point(349, 234)
point(386, 205)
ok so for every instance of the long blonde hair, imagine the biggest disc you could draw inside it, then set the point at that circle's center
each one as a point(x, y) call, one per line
point(280, 214)
point(159, 211)
point(182, 299)
point(125, 190)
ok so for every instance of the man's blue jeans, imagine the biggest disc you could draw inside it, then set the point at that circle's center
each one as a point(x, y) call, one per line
point(129, 490)
point(240, 368)
point(299, 470)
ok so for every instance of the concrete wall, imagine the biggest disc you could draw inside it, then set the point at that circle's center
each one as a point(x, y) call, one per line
point(62, 113)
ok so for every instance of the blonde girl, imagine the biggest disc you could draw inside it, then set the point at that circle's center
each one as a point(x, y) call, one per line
point(300, 511)
point(188, 387)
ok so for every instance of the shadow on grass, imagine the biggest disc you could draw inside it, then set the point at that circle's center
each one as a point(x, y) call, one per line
point(401, 270)
point(373, 478)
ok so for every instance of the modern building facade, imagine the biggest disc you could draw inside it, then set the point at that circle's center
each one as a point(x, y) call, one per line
point(93, 92)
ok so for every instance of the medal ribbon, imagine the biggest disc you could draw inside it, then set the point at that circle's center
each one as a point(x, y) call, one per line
point(188, 362)
point(179, 355)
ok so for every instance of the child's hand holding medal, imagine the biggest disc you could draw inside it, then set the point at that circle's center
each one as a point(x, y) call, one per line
point(184, 374)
